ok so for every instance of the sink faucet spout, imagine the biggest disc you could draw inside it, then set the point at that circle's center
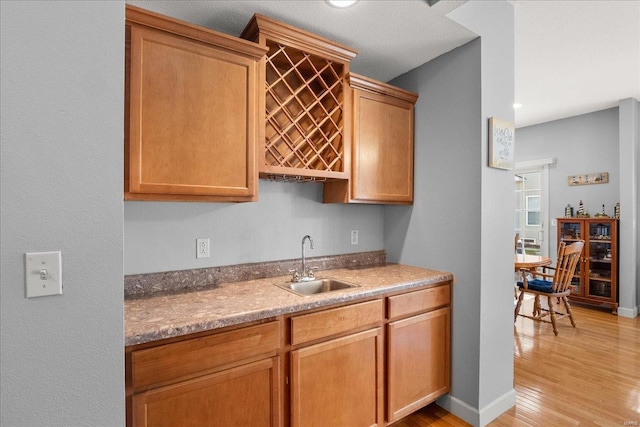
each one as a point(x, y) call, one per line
point(304, 274)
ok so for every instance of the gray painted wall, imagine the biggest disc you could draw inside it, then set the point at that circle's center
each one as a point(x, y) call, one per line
point(460, 220)
point(593, 143)
point(61, 189)
point(441, 230)
point(162, 236)
point(580, 144)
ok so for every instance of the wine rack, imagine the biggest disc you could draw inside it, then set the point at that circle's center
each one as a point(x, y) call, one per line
point(306, 126)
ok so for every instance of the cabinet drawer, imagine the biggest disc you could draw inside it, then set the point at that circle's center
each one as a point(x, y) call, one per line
point(200, 355)
point(313, 326)
point(418, 301)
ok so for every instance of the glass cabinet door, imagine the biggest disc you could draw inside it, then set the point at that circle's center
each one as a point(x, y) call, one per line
point(600, 255)
point(569, 232)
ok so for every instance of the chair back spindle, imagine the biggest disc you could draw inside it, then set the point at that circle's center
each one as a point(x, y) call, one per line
point(568, 258)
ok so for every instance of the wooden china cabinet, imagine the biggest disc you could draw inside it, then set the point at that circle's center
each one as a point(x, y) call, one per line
point(596, 280)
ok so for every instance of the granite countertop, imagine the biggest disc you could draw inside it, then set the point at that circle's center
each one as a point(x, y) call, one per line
point(165, 316)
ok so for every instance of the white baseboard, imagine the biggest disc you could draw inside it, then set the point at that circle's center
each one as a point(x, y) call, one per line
point(475, 417)
point(628, 312)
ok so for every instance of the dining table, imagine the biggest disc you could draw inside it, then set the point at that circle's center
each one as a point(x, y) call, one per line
point(529, 262)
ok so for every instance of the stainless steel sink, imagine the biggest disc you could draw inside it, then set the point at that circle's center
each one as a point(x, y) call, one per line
point(317, 286)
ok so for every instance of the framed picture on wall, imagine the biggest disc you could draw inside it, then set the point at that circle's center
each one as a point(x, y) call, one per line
point(501, 144)
point(589, 178)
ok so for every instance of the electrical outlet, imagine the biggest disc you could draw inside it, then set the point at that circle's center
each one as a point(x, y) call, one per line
point(354, 237)
point(202, 248)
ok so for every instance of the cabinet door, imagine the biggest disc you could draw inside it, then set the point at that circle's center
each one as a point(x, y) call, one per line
point(602, 253)
point(569, 231)
point(382, 149)
point(192, 120)
point(239, 397)
point(382, 152)
point(338, 382)
point(418, 364)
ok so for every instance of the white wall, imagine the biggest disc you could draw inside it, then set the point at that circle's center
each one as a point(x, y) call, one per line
point(630, 196)
point(460, 220)
point(162, 236)
point(629, 253)
point(61, 189)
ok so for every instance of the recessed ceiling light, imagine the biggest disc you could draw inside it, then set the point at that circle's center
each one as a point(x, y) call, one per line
point(342, 3)
point(516, 106)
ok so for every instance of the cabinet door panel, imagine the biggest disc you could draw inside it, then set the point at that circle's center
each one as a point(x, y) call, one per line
point(192, 112)
point(238, 397)
point(418, 362)
point(339, 382)
point(383, 149)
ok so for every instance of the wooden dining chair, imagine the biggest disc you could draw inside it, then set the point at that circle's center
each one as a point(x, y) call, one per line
point(557, 285)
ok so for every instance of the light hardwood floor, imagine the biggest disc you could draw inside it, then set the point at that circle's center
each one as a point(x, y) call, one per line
point(587, 376)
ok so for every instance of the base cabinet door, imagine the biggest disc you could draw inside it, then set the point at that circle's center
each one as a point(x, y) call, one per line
point(338, 382)
point(418, 364)
point(239, 397)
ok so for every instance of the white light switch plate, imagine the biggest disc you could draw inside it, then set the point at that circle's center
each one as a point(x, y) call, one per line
point(43, 273)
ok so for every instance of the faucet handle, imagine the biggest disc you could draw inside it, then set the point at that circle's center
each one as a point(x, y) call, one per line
point(296, 275)
point(311, 274)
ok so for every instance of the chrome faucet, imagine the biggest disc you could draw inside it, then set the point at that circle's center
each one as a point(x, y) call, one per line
point(304, 276)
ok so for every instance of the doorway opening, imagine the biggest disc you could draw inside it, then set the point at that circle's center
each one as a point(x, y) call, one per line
point(531, 201)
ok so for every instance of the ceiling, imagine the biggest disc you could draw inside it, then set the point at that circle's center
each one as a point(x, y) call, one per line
point(572, 57)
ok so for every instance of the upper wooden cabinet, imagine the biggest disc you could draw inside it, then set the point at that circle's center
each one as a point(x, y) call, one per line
point(382, 151)
point(307, 117)
point(192, 107)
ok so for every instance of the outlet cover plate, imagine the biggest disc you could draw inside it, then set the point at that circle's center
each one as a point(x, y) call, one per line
point(43, 272)
point(202, 248)
point(354, 237)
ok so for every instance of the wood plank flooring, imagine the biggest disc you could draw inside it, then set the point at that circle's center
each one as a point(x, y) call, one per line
point(587, 376)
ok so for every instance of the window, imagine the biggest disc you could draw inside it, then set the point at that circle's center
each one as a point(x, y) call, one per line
point(533, 210)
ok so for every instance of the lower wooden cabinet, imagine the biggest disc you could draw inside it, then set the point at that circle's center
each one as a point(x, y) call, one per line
point(418, 362)
point(418, 350)
point(361, 364)
point(241, 396)
point(225, 379)
point(338, 382)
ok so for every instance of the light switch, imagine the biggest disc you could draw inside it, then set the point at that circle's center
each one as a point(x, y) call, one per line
point(43, 273)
